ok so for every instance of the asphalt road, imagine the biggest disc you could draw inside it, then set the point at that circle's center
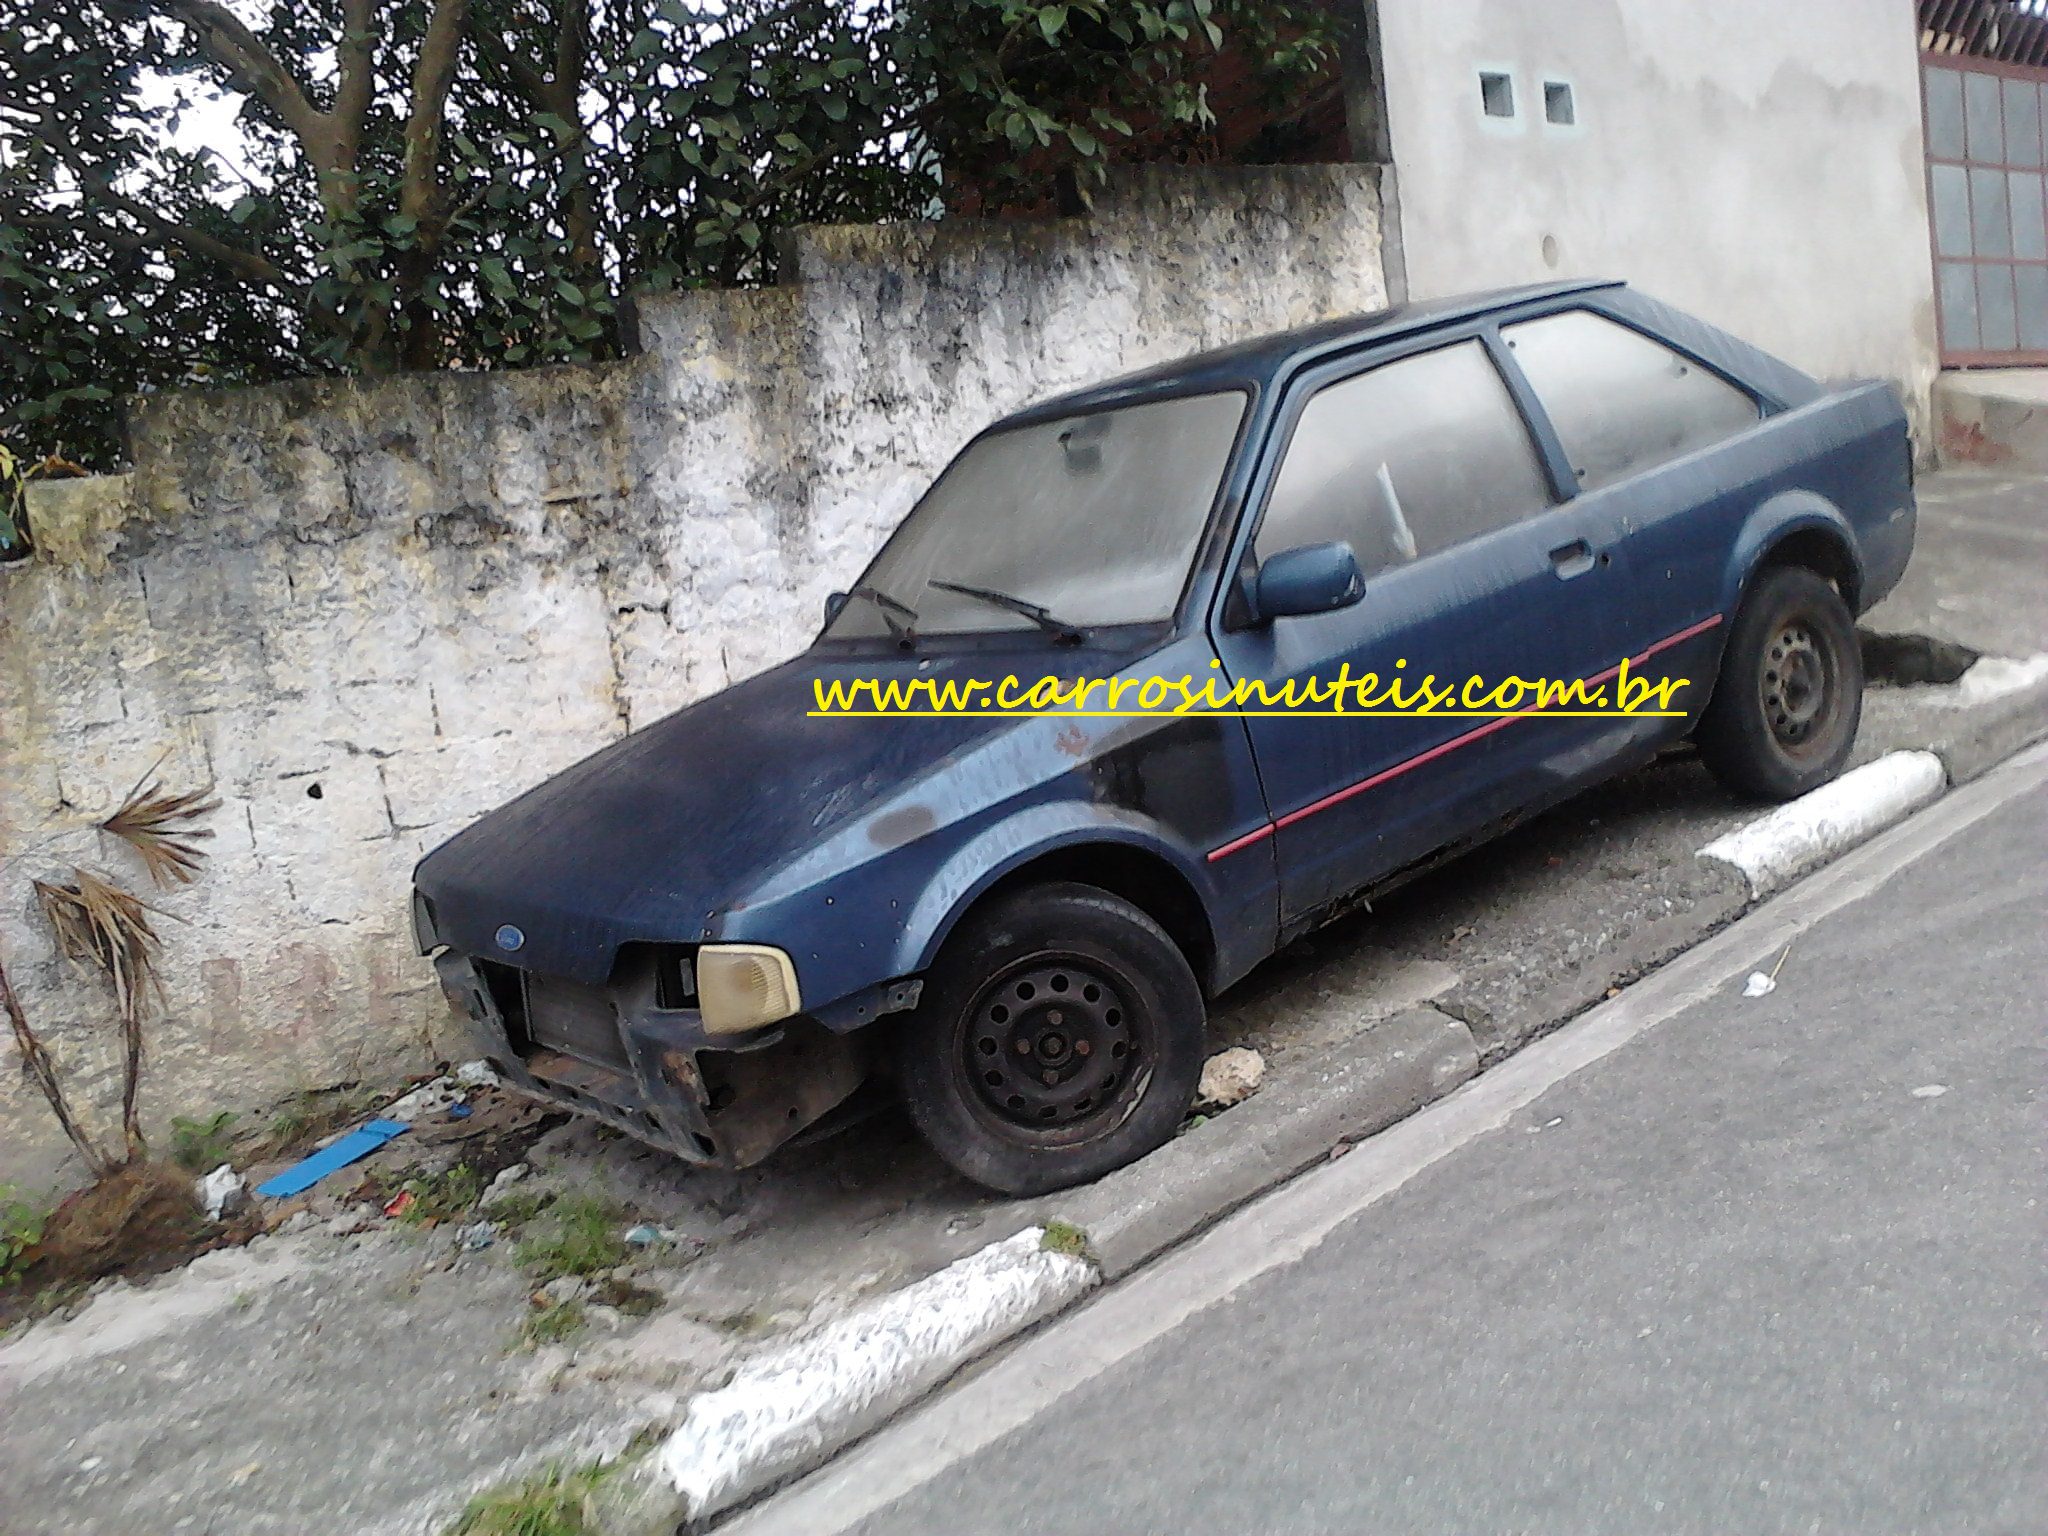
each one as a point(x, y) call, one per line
point(1773, 1265)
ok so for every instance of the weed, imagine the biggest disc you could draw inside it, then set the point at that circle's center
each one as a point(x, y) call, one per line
point(515, 1210)
point(557, 1503)
point(750, 1324)
point(21, 1228)
point(552, 1504)
point(200, 1146)
point(624, 1296)
point(554, 1325)
point(441, 1196)
point(1064, 1237)
point(580, 1237)
point(314, 1112)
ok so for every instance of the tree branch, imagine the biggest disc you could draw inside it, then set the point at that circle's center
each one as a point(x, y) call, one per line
point(257, 269)
point(355, 82)
point(221, 34)
point(432, 76)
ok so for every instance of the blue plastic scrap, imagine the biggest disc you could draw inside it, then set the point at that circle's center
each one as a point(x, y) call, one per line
point(355, 1146)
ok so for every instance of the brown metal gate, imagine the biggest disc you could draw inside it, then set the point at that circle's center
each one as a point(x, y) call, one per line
point(1985, 78)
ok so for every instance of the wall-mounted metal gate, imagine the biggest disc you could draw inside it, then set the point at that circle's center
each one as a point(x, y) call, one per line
point(1985, 75)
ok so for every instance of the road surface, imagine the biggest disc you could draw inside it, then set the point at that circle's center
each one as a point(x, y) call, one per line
point(1767, 1264)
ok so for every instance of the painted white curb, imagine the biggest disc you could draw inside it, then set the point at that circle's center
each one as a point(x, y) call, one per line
point(1990, 679)
point(790, 1410)
point(1798, 836)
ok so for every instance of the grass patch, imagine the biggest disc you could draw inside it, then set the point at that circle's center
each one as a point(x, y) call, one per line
point(513, 1211)
point(441, 1196)
point(578, 1237)
point(626, 1297)
point(556, 1503)
point(750, 1324)
point(1065, 1237)
point(312, 1113)
point(554, 1325)
point(200, 1146)
point(553, 1504)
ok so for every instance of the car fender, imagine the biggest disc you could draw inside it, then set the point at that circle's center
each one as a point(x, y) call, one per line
point(1012, 843)
point(1783, 516)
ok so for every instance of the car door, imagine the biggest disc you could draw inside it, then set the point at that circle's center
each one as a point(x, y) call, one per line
point(1651, 438)
point(1426, 466)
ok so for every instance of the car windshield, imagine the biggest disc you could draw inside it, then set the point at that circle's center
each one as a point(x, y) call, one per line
point(1090, 520)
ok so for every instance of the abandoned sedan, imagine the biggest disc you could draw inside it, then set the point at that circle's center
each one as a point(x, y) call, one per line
point(881, 860)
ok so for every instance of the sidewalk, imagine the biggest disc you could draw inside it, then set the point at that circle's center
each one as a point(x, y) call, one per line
point(370, 1382)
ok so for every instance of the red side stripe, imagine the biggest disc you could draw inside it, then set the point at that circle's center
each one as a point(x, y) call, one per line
point(1436, 752)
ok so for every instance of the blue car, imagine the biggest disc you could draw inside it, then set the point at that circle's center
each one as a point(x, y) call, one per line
point(1013, 898)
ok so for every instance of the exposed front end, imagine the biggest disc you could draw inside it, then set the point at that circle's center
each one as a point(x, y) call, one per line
point(636, 1052)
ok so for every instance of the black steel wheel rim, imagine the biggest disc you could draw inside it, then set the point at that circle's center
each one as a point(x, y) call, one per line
point(1798, 686)
point(1053, 1044)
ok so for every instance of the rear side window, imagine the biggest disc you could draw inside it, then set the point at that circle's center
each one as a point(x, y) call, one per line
point(1621, 402)
point(1409, 459)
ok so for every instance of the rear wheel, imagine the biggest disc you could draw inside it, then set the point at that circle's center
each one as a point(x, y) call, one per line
point(1786, 706)
point(1060, 1036)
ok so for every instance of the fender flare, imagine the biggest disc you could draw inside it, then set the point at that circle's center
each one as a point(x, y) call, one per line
point(1016, 841)
point(1785, 516)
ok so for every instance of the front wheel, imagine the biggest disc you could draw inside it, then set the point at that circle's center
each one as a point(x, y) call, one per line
point(1060, 1037)
point(1785, 708)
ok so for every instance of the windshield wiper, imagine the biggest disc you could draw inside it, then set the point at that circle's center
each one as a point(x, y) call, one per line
point(889, 607)
point(1037, 613)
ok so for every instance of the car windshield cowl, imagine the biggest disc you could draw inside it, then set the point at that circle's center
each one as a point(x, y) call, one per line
point(1064, 524)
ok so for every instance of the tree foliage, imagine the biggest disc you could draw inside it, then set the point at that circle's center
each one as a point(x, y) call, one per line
point(474, 183)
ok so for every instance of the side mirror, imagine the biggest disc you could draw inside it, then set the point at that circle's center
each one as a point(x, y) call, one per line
point(835, 604)
point(1311, 578)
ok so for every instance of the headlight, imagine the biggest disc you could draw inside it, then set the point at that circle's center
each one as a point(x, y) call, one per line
point(743, 986)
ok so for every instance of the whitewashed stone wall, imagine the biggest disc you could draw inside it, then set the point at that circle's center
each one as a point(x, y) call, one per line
point(366, 613)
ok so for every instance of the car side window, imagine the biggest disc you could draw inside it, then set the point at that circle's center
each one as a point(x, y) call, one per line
point(1621, 402)
point(1407, 459)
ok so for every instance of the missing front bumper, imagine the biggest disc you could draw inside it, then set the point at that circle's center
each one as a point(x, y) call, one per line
point(649, 1073)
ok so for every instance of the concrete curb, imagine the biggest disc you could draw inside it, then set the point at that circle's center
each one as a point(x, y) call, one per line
point(1987, 733)
point(791, 1409)
point(1774, 850)
point(1382, 1076)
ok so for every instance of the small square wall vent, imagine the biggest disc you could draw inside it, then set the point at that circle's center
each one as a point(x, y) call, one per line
point(1497, 93)
point(1558, 106)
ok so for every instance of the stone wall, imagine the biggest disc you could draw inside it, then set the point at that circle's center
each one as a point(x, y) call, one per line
point(367, 612)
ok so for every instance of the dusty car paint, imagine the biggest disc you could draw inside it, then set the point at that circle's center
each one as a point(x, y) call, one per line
point(856, 845)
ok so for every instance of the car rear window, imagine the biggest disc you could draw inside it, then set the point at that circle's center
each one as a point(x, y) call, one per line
point(1405, 460)
point(1621, 402)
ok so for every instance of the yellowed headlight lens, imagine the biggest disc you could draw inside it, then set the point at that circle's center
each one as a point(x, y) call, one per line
point(743, 986)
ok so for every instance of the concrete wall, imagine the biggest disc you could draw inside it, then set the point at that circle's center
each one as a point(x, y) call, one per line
point(1754, 161)
point(366, 613)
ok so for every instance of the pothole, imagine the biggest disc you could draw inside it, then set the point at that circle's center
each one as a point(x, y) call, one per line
point(1913, 661)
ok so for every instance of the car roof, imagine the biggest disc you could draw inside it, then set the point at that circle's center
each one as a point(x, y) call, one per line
point(1262, 360)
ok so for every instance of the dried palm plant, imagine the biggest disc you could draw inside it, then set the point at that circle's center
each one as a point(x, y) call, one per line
point(105, 927)
point(102, 926)
point(162, 828)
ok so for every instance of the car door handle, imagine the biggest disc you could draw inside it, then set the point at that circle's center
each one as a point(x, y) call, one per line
point(1573, 559)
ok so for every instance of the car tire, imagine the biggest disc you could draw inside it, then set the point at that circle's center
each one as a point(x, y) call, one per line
point(1785, 708)
point(1059, 1036)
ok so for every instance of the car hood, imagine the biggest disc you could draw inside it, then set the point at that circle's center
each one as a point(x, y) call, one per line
point(652, 837)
